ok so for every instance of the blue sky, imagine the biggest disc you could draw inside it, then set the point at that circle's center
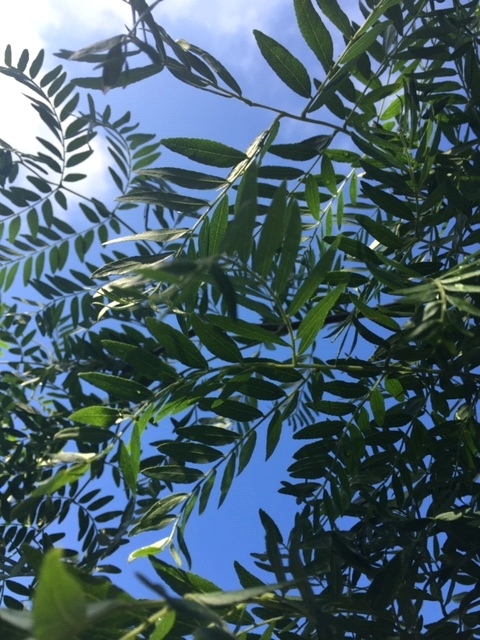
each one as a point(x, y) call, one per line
point(168, 108)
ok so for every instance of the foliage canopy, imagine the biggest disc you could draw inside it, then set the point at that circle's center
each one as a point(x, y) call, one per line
point(366, 232)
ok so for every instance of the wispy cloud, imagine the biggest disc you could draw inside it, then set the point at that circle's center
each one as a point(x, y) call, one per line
point(55, 24)
point(217, 16)
point(225, 28)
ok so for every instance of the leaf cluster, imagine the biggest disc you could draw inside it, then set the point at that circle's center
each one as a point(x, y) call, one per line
point(367, 231)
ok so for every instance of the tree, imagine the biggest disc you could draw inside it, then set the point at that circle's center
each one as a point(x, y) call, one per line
point(368, 228)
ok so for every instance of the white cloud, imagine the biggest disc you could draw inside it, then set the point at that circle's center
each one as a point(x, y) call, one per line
point(226, 18)
point(70, 24)
point(223, 27)
point(51, 25)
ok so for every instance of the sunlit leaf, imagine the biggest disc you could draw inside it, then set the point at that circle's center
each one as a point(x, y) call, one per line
point(59, 606)
point(97, 416)
point(315, 318)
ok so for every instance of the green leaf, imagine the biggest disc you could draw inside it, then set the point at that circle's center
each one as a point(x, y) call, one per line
point(185, 178)
point(287, 67)
point(59, 607)
point(112, 66)
point(63, 477)
point(186, 204)
point(218, 226)
point(51, 75)
point(209, 434)
point(14, 229)
point(216, 340)
point(85, 53)
point(387, 582)
point(218, 67)
point(176, 344)
point(129, 265)
point(353, 247)
point(314, 32)
point(375, 315)
point(96, 416)
point(229, 598)
point(225, 286)
point(315, 318)
point(380, 232)
point(182, 582)
point(239, 235)
point(36, 65)
point(78, 158)
point(328, 175)
point(247, 450)
point(282, 374)
point(163, 626)
point(174, 473)
point(331, 9)
point(362, 41)
point(246, 330)
point(156, 235)
point(232, 409)
point(246, 579)
point(260, 389)
point(319, 430)
point(227, 479)
point(272, 233)
point(274, 432)
point(304, 150)
point(85, 434)
point(395, 388)
point(8, 55)
point(207, 152)
point(23, 60)
point(388, 202)
point(144, 363)
point(312, 196)
point(117, 387)
point(273, 540)
point(377, 405)
point(206, 491)
point(289, 253)
point(346, 389)
point(273, 172)
point(189, 452)
point(124, 79)
point(311, 283)
point(159, 512)
point(128, 467)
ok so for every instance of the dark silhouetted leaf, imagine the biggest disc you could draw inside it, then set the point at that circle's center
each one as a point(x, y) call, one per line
point(314, 32)
point(207, 152)
point(287, 67)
